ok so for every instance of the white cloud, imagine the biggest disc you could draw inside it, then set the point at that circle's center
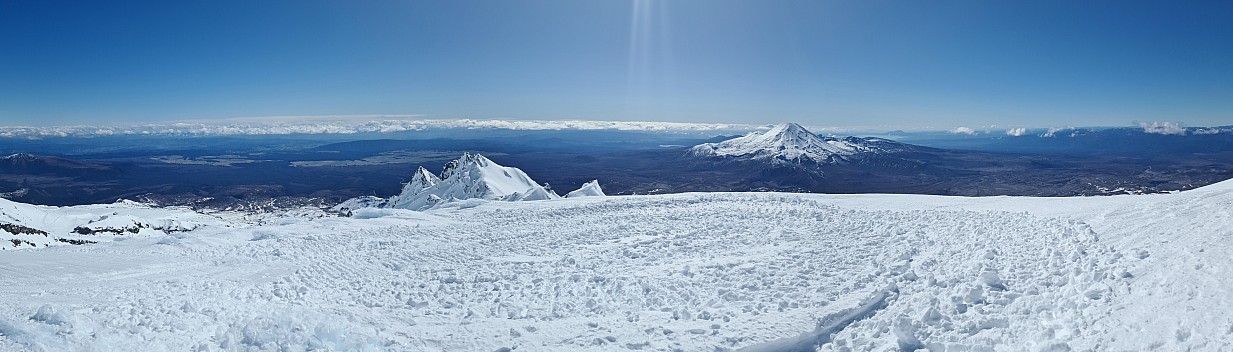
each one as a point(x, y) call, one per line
point(1016, 132)
point(1168, 128)
point(963, 130)
point(1054, 130)
point(284, 125)
point(1203, 131)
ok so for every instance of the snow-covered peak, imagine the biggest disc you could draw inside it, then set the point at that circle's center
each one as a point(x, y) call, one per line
point(21, 159)
point(789, 142)
point(790, 133)
point(470, 176)
point(420, 180)
point(21, 156)
point(468, 161)
point(474, 176)
point(589, 189)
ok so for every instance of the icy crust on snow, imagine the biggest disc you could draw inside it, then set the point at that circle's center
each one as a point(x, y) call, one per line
point(791, 143)
point(687, 272)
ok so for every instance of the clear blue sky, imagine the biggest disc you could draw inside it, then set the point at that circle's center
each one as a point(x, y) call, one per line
point(899, 63)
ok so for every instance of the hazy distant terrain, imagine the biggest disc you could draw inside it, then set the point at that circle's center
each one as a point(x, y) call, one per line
point(219, 171)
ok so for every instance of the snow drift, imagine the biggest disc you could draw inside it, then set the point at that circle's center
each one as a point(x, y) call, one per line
point(589, 189)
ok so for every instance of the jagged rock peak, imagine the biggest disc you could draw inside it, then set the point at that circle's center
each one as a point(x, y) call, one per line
point(471, 176)
point(420, 180)
point(467, 159)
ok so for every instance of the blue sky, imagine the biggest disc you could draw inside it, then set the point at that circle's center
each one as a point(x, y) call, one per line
point(841, 63)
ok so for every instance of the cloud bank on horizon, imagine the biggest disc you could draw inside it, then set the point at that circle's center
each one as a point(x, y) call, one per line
point(288, 125)
point(356, 124)
point(1155, 127)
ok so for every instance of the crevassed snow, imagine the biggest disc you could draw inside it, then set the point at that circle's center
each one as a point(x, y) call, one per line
point(789, 142)
point(692, 272)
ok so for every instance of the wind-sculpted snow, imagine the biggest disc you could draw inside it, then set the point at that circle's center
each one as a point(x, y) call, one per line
point(691, 272)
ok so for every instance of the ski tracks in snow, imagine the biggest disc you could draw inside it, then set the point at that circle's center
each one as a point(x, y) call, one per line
point(685, 272)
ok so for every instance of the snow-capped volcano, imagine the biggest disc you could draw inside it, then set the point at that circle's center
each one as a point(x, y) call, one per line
point(30, 163)
point(791, 143)
point(20, 158)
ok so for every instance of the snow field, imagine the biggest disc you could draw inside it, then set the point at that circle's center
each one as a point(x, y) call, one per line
point(659, 273)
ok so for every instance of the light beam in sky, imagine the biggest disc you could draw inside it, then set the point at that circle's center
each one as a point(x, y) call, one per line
point(650, 54)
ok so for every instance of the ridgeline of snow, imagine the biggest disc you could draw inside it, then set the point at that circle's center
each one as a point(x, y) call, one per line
point(589, 189)
point(691, 272)
point(471, 176)
point(791, 143)
point(357, 203)
point(31, 226)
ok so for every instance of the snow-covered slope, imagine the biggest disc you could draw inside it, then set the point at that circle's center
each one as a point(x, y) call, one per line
point(689, 272)
point(29, 226)
point(791, 143)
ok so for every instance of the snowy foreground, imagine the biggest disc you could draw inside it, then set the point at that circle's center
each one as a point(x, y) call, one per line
point(689, 272)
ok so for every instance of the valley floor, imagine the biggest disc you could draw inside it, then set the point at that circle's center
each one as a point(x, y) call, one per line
point(686, 272)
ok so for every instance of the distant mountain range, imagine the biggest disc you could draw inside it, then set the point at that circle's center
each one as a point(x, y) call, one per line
point(31, 164)
point(788, 157)
point(265, 173)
